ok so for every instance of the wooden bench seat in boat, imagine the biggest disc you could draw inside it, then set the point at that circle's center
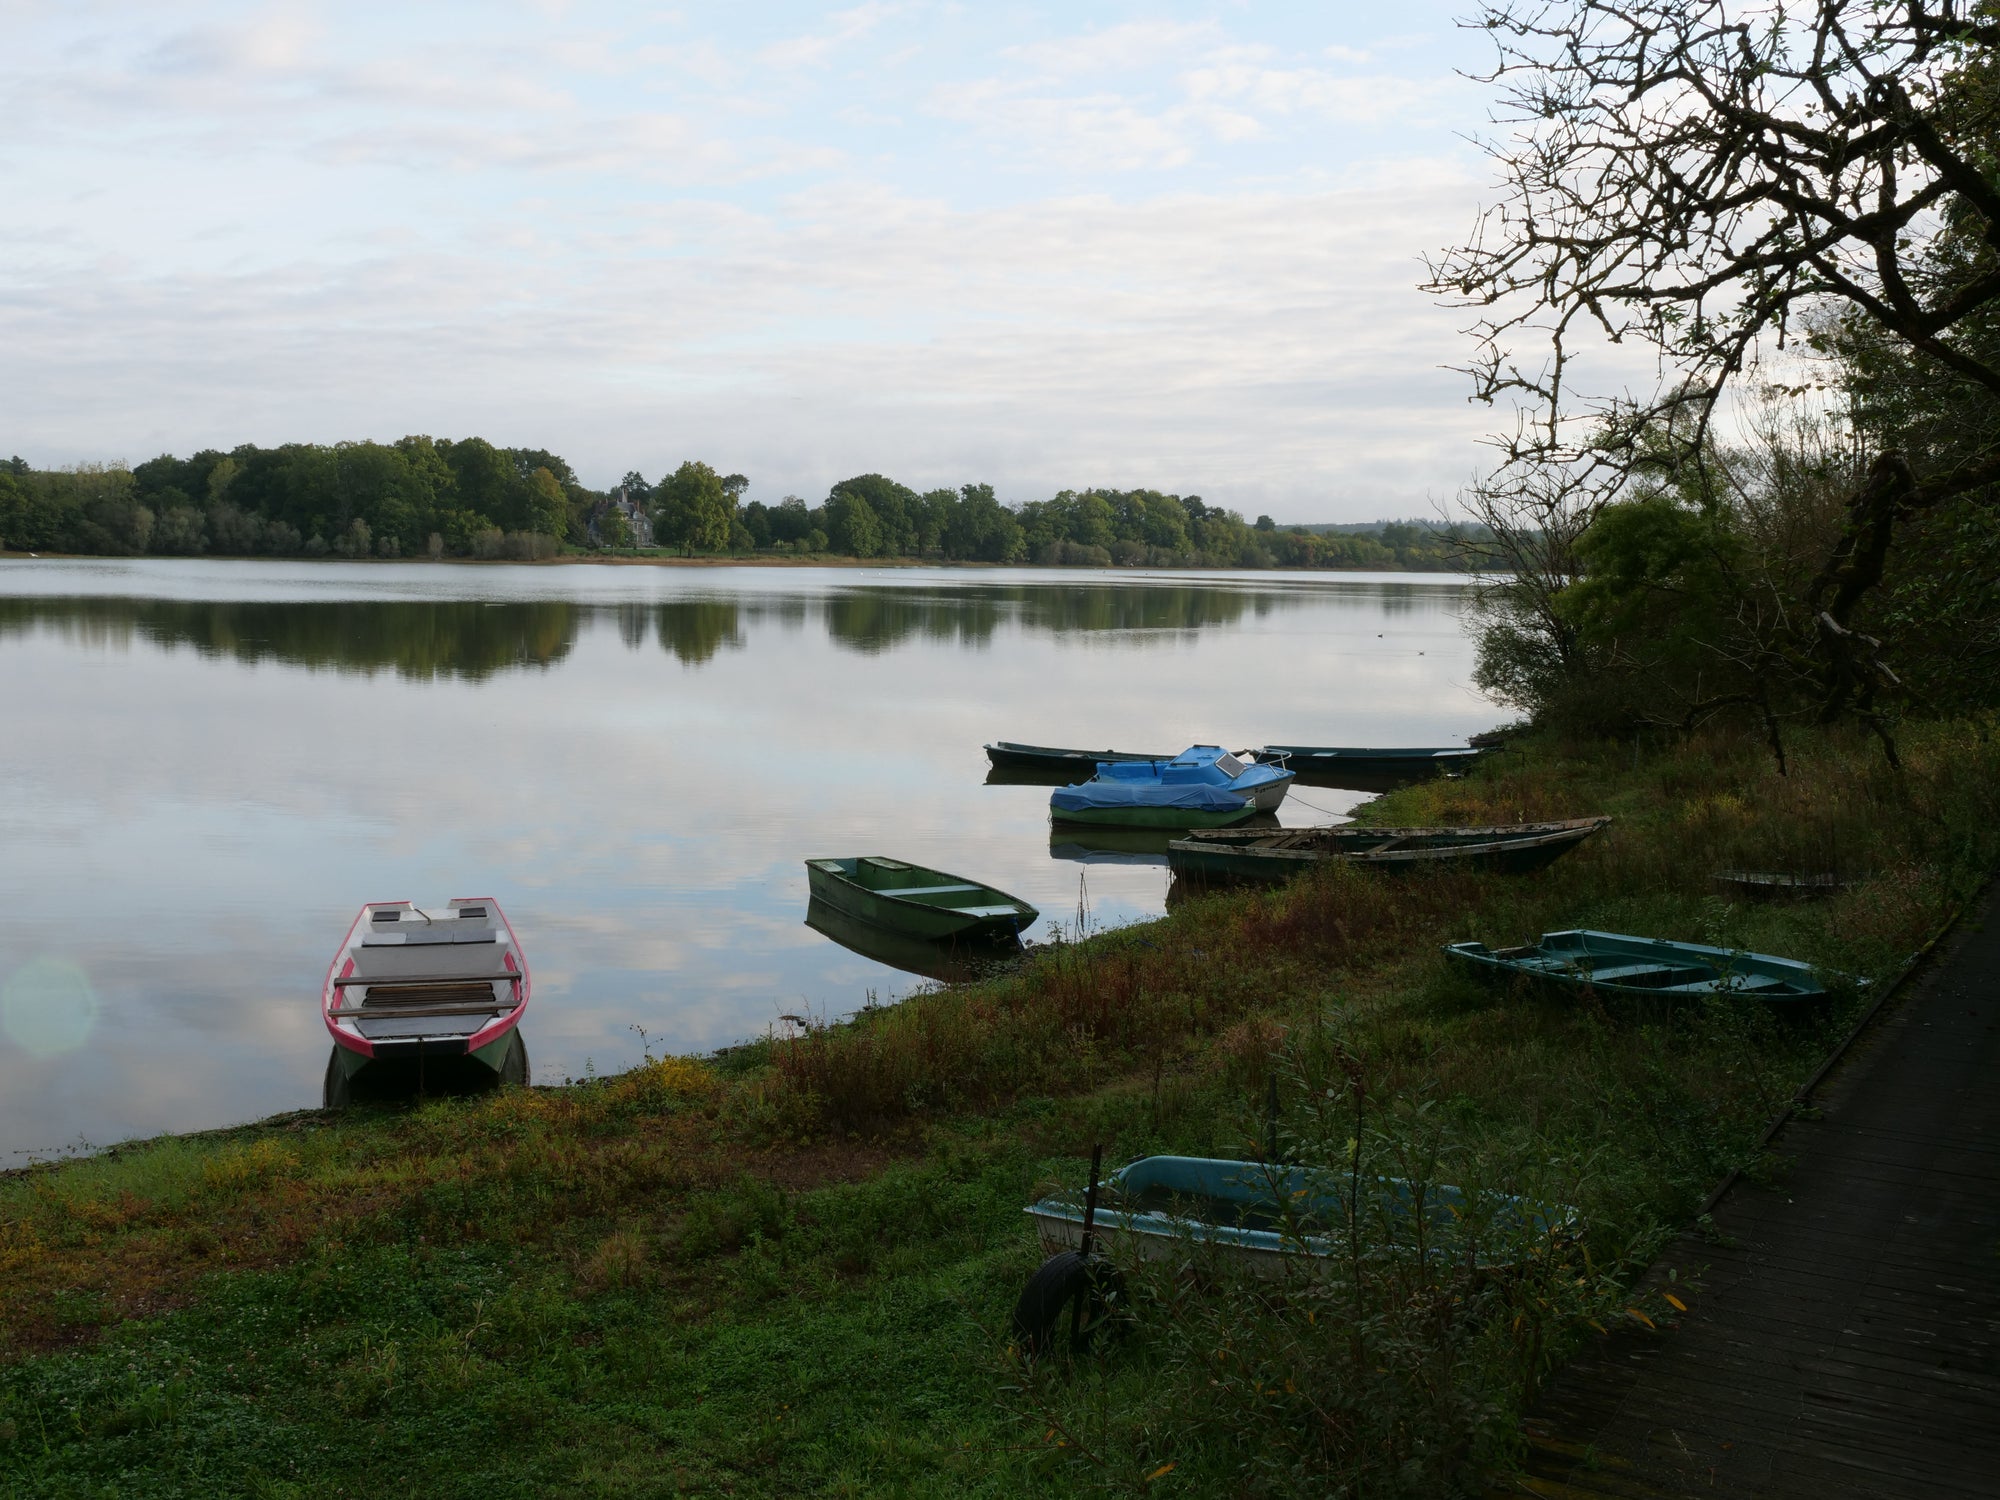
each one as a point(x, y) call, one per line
point(929, 890)
point(985, 911)
point(371, 981)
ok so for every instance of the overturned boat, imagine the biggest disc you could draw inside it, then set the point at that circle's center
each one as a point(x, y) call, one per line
point(418, 991)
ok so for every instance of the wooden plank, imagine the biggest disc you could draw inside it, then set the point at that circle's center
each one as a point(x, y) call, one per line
point(1842, 1337)
point(417, 981)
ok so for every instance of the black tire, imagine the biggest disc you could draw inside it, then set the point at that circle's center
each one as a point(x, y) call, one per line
point(1047, 1311)
point(335, 1093)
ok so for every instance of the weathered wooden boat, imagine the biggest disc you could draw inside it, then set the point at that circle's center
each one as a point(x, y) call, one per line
point(416, 986)
point(950, 961)
point(1268, 854)
point(925, 903)
point(1202, 787)
point(1004, 753)
point(1777, 885)
point(1272, 1218)
point(1365, 769)
point(1612, 963)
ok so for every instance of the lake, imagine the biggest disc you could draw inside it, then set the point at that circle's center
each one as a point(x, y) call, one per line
point(208, 766)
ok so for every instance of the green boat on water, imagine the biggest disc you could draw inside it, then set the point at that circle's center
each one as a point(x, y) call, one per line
point(1612, 963)
point(907, 898)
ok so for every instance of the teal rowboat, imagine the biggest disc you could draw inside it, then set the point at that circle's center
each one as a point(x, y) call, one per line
point(1272, 854)
point(1612, 963)
point(1266, 1216)
point(911, 899)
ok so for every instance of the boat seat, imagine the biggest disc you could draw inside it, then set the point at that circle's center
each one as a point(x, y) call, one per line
point(930, 890)
point(1658, 977)
point(987, 911)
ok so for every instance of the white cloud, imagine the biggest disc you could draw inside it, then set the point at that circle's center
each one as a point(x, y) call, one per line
point(1177, 251)
point(813, 49)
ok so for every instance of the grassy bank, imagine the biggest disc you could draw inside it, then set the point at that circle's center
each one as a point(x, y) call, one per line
point(790, 1271)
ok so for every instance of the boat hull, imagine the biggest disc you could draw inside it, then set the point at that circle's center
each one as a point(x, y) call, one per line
point(1358, 769)
point(1181, 818)
point(1005, 755)
point(916, 909)
point(1279, 855)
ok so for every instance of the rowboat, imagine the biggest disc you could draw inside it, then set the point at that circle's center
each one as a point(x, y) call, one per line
point(951, 962)
point(1202, 787)
point(1268, 854)
point(911, 899)
point(1270, 1218)
point(426, 987)
point(1005, 753)
point(1651, 968)
point(1366, 769)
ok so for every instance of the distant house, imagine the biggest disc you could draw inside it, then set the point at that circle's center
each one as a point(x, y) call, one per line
point(637, 522)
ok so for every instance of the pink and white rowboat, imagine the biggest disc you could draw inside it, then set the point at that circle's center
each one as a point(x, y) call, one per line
point(415, 984)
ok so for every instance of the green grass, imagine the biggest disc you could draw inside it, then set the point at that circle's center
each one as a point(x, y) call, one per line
point(790, 1270)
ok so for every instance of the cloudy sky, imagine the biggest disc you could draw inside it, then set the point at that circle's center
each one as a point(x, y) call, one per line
point(1170, 244)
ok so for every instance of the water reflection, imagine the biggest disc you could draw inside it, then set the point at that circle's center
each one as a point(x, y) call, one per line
point(475, 639)
point(416, 641)
point(949, 962)
point(209, 765)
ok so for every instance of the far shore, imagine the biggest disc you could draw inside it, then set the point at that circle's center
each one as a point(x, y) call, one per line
point(820, 560)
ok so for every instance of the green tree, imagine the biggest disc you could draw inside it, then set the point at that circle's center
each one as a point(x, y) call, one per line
point(852, 525)
point(695, 510)
point(548, 505)
point(982, 529)
point(891, 504)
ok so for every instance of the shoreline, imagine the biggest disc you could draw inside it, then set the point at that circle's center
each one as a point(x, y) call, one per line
point(821, 561)
point(799, 1228)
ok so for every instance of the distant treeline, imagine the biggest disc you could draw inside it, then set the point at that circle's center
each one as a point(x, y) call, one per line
point(435, 497)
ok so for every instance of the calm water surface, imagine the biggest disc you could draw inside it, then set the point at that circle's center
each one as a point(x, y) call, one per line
point(208, 766)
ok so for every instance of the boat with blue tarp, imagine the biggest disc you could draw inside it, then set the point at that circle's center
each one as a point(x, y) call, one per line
point(1203, 787)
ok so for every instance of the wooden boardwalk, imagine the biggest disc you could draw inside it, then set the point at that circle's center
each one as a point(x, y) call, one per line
point(1846, 1337)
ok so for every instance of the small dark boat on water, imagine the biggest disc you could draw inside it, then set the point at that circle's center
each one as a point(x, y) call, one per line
point(1612, 963)
point(946, 960)
point(1270, 854)
point(912, 899)
point(1774, 885)
point(1364, 769)
point(1006, 755)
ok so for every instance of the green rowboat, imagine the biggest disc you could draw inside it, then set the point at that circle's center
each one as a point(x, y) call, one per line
point(1612, 963)
point(1272, 854)
point(907, 898)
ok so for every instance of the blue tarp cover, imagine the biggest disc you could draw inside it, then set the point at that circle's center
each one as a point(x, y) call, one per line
point(1193, 797)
